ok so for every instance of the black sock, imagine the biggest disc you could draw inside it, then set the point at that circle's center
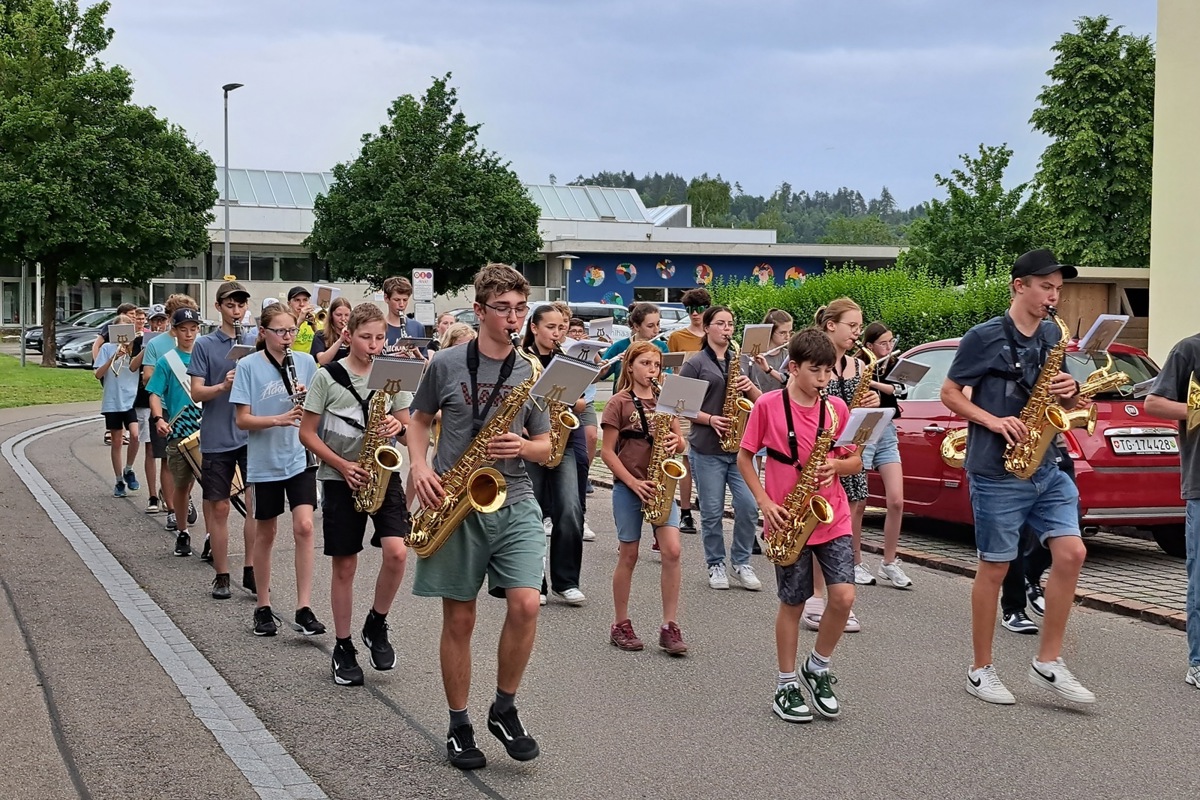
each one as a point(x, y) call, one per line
point(343, 644)
point(504, 701)
point(374, 619)
point(459, 717)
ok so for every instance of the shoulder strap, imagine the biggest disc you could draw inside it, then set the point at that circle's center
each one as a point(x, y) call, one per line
point(176, 364)
point(341, 376)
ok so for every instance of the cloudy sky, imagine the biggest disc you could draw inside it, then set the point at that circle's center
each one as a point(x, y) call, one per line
point(861, 93)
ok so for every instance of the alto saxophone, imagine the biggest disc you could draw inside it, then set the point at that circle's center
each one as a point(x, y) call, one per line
point(1101, 380)
point(736, 408)
point(1193, 404)
point(472, 484)
point(665, 470)
point(805, 507)
point(1042, 415)
point(376, 456)
point(865, 376)
point(562, 422)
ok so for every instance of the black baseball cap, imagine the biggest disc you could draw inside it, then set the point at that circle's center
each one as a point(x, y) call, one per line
point(183, 315)
point(1041, 262)
point(231, 288)
point(298, 290)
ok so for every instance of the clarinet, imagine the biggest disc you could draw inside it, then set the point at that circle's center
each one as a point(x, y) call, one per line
point(289, 363)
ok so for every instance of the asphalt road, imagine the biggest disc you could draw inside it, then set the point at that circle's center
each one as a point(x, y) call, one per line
point(611, 724)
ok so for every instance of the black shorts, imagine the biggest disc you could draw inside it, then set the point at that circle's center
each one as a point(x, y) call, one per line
point(216, 473)
point(119, 420)
point(836, 558)
point(344, 528)
point(301, 490)
point(157, 443)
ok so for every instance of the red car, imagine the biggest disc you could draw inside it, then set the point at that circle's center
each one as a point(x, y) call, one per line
point(1127, 471)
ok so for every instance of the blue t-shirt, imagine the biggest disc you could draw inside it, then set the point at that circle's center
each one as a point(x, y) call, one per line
point(273, 454)
point(985, 362)
point(411, 330)
point(618, 348)
point(218, 432)
point(164, 384)
point(119, 390)
point(157, 347)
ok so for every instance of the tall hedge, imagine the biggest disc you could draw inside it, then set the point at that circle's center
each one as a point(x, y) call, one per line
point(917, 306)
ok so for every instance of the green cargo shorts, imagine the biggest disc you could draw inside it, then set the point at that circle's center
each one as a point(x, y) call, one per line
point(507, 546)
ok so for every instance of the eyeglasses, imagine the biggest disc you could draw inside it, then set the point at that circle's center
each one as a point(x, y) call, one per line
point(889, 344)
point(855, 327)
point(504, 311)
point(283, 331)
point(696, 309)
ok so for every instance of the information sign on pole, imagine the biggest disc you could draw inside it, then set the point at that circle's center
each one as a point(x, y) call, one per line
point(422, 285)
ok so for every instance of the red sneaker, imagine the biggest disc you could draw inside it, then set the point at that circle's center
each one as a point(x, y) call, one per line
point(622, 636)
point(671, 640)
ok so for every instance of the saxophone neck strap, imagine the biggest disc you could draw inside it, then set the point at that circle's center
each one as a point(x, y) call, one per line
point(641, 411)
point(721, 365)
point(506, 370)
point(792, 458)
point(341, 376)
point(1017, 372)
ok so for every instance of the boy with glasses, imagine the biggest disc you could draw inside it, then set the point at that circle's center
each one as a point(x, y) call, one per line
point(689, 340)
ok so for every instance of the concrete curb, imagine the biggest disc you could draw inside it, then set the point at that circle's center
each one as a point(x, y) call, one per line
point(1147, 612)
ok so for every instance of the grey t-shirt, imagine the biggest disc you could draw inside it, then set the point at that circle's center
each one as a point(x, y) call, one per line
point(446, 387)
point(703, 438)
point(984, 362)
point(1172, 384)
point(218, 431)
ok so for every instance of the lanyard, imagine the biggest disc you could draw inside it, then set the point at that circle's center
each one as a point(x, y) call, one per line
point(793, 449)
point(637, 403)
point(723, 367)
point(291, 390)
point(1010, 333)
point(473, 367)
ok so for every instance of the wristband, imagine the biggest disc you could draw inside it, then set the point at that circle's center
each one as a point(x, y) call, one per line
point(155, 420)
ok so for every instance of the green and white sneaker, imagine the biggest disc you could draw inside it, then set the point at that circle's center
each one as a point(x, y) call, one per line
point(821, 686)
point(789, 704)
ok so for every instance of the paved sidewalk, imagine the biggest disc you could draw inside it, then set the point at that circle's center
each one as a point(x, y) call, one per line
point(1123, 575)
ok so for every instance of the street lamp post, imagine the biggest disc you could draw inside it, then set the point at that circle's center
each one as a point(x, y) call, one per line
point(227, 88)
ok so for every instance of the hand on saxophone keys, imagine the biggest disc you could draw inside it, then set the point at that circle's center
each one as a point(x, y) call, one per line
point(506, 445)
point(719, 424)
point(389, 427)
point(1011, 428)
point(775, 515)
point(1063, 386)
point(356, 477)
point(645, 490)
point(426, 483)
point(674, 443)
point(744, 384)
point(869, 400)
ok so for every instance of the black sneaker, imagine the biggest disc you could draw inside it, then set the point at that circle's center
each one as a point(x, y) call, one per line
point(247, 579)
point(686, 523)
point(170, 524)
point(512, 734)
point(183, 544)
point(374, 636)
point(1037, 600)
point(345, 668)
point(264, 621)
point(206, 553)
point(307, 623)
point(756, 550)
point(191, 513)
point(220, 586)
point(1018, 622)
point(460, 747)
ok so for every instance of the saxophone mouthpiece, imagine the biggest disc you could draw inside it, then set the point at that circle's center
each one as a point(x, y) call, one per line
point(1052, 311)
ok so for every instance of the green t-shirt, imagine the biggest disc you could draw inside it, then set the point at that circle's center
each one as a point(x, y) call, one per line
point(304, 338)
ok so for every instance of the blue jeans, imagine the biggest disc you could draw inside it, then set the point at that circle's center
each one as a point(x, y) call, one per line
point(557, 492)
point(1004, 504)
point(712, 474)
point(1192, 536)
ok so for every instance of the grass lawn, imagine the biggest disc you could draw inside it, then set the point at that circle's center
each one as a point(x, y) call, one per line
point(36, 385)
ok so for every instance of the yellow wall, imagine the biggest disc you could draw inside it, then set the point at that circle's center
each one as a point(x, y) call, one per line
point(1174, 232)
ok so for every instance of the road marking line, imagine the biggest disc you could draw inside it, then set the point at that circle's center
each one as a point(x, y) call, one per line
point(271, 771)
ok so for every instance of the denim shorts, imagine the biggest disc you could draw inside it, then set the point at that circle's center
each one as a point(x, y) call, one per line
point(795, 582)
point(1003, 504)
point(627, 510)
point(885, 450)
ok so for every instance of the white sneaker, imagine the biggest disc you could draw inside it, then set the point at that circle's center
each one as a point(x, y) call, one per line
point(863, 576)
point(985, 684)
point(589, 535)
point(547, 525)
point(1193, 676)
point(743, 575)
point(813, 609)
point(542, 602)
point(894, 574)
point(572, 597)
point(852, 624)
point(717, 579)
point(1059, 680)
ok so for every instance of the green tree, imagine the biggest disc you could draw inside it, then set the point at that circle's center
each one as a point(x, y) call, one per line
point(1095, 175)
point(858, 230)
point(92, 186)
point(422, 193)
point(710, 199)
point(979, 221)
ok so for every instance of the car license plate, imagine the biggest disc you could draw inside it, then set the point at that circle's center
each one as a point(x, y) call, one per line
point(1142, 445)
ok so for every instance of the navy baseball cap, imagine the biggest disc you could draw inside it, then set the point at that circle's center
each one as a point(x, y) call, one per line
point(183, 315)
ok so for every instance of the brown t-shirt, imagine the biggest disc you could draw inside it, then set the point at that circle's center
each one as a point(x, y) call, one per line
point(621, 414)
point(684, 341)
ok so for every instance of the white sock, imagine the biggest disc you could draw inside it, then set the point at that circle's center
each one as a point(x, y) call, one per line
point(787, 677)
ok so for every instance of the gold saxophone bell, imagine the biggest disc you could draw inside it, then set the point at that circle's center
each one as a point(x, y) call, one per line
point(389, 458)
point(1193, 404)
point(487, 490)
point(954, 448)
point(1083, 418)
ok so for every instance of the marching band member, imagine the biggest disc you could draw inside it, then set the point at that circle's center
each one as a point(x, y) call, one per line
point(265, 395)
point(767, 369)
point(643, 327)
point(120, 393)
point(689, 340)
point(583, 441)
point(298, 301)
point(627, 451)
point(1001, 360)
point(222, 443)
point(790, 438)
point(468, 385)
point(336, 411)
point(444, 321)
point(155, 447)
point(714, 468)
point(332, 343)
point(397, 293)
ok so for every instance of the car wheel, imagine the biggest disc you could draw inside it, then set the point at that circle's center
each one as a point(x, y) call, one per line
point(1170, 539)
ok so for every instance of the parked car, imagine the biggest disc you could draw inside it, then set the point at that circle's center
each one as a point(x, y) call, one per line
point(591, 311)
point(92, 318)
point(466, 316)
point(75, 348)
point(1127, 470)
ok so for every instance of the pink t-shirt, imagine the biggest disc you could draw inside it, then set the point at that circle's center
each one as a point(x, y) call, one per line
point(767, 427)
